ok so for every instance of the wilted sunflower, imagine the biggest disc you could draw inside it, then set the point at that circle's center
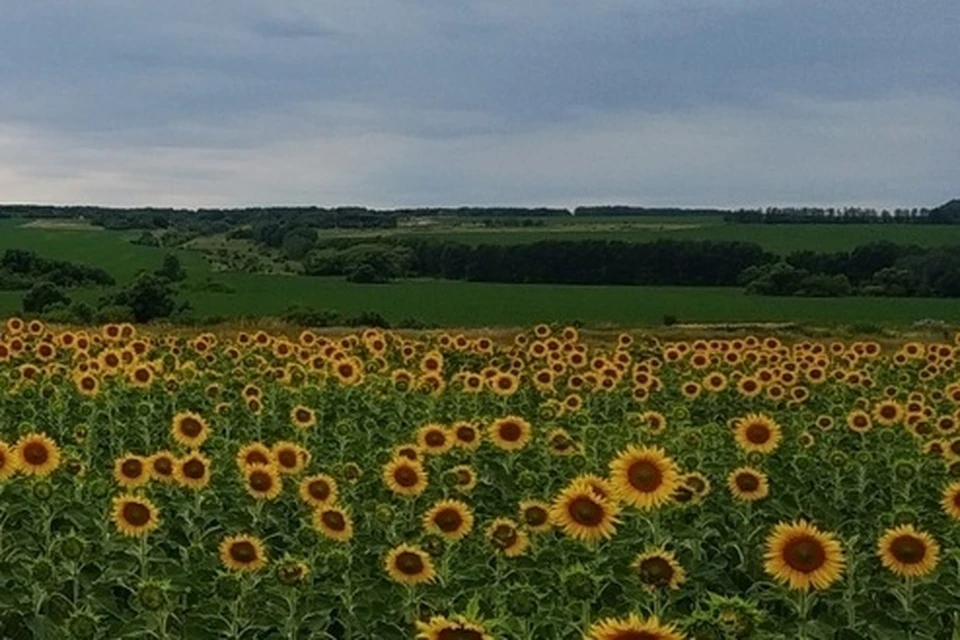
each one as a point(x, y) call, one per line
point(748, 485)
point(507, 537)
point(131, 471)
point(8, 461)
point(243, 553)
point(161, 466)
point(757, 433)
point(950, 500)
point(559, 443)
point(189, 429)
point(535, 515)
point(303, 417)
point(37, 455)
point(318, 490)
point(333, 522)
point(193, 471)
point(290, 457)
point(644, 477)
point(453, 628)
point(584, 515)
point(292, 573)
point(511, 433)
point(405, 477)
point(409, 565)
point(696, 482)
point(659, 568)
point(255, 453)
point(449, 519)
point(134, 516)
point(801, 556)
point(263, 482)
point(434, 439)
point(908, 552)
point(632, 628)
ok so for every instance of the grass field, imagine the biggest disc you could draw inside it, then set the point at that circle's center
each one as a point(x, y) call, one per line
point(461, 303)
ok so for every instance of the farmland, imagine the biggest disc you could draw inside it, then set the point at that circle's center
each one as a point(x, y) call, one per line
point(470, 304)
point(258, 485)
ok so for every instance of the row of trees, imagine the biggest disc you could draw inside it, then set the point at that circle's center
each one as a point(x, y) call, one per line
point(21, 269)
point(948, 213)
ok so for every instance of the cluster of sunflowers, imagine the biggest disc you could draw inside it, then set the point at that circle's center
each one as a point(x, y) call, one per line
point(437, 486)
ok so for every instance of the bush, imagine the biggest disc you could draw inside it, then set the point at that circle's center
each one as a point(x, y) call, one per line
point(42, 296)
point(669, 320)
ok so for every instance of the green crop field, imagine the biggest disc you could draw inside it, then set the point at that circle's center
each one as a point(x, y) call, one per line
point(471, 304)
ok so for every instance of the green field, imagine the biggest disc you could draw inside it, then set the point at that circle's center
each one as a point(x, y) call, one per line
point(465, 304)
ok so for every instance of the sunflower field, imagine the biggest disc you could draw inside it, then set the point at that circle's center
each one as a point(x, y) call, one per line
point(440, 486)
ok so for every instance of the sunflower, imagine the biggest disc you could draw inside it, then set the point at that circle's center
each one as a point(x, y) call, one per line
point(801, 556)
point(908, 552)
point(408, 451)
point(698, 483)
point(535, 515)
point(749, 387)
point(449, 519)
point(434, 439)
point(189, 429)
point(37, 455)
point(582, 514)
point(888, 412)
point(655, 421)
point(87, 384)
point(632, 628)
point(465, 435)
point(134, 516)
point(859, 421)
point(464, 477)
point(292, 573)
point(504, 384)
point(950, 500)
point(8, 461)
point(263, 482)
point(559, 443)
point(255, 453)
point(161, 466)
point(757, 432)
point(193, 471)
point(644, 477)
point(290, 457)
point(442, 628)
point(318, 490)
point(659, 568)
point(303, 417)
point(409, 565)
point(131, 471)
point(748, 485)
point(601, 487)
point(243, 553)
point(511, 433)
point(507, 537)
point(405, 477)
point(333, 522)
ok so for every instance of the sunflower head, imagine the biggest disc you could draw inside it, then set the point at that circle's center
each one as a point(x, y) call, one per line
point(318, 490)
point(193, 471)
point(908, 552)
point(659, 569)
point(405, 477)
point(189, 429)
point(263, 482)
point(507, 538)
point(644, 477)
point(290, 457)
point(434, 439)
point(243, 553)
point(409, 565)
point(131, 471)
point(582, 514)
point(535, 515)
point(455, 627)
point(134, 516)
point(333, 523)
point(757, 433)
point(748, 484)
point(449, 519)
point(37, 455)
point(511, 433)
point(632, 628)
point(803, 557)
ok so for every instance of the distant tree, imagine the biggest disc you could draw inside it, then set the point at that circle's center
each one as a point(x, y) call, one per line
point(148, 297)
point(172, 269)
point(42, 296)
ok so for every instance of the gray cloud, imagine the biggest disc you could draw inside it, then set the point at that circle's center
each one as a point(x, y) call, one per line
point(432, 102)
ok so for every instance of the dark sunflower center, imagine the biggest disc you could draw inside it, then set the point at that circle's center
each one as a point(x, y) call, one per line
point(408, 453)
point(131, 468)
point(435, 439)
point(456, 633)
point(319, 489)
point(586, 512)
point(243, 552)
point(656, 571)
point(888, 412)
point(345, 370)
point(757, 433)
point(163, 466)
point(406, 477)
point(256, 457)
point(261, 481)
point(465, 477)
point(749, 386)
point(747, 482)
point(908, 549)
point(635, 635)
point(409, 563)
point(194, 469)
point(505, 383)
point(804, 554)
point(303, 415)
point(696, 483)
point(644, 475)
point(142, 375)
point(860, 421)
point(88, 383)
point(334, 520)
point(190, 427)
point(3, 460)
point(287, 458)
point(136, 514)
point(510, 431)
point(448, 520)
point(504, 536)
point(683, 495)
point(535, 516)
point(36, 453)
point(466, 434)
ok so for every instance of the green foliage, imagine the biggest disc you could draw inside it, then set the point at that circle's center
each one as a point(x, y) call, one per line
point(42, 296)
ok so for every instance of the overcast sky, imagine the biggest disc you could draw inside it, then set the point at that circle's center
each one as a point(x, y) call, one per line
point(449, 102)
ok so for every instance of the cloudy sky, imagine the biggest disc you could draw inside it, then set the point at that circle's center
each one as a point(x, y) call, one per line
point(448, 102)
